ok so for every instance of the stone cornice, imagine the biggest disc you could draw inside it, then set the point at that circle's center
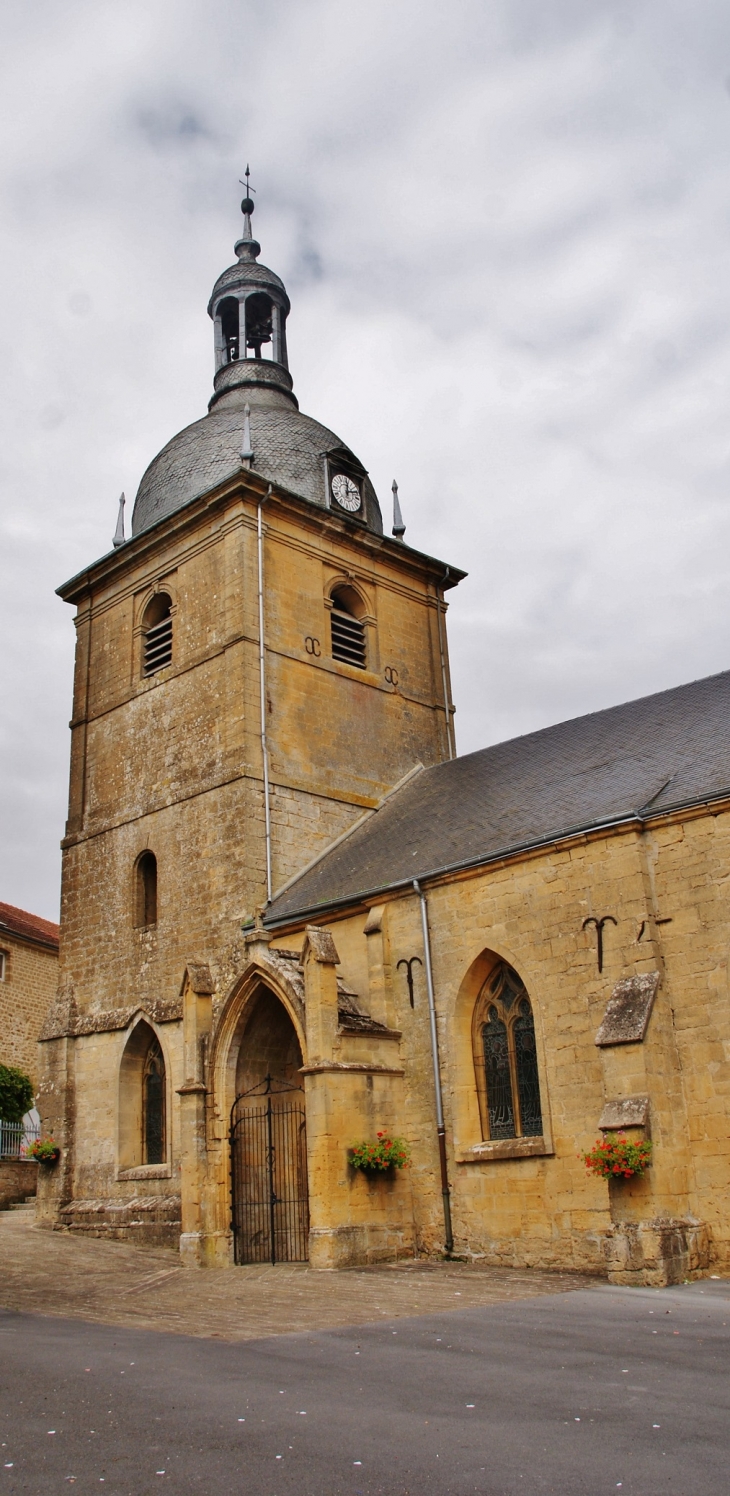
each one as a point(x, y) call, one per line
point(65, 1022)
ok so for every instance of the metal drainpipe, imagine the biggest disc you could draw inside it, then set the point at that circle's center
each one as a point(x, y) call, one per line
point(447, 708)
point(440, 1128)
point(262, 684)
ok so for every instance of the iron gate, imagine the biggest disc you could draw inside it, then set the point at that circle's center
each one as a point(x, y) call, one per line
point(269, 1196)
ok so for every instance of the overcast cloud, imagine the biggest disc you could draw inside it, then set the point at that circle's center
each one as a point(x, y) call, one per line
point(504, 227)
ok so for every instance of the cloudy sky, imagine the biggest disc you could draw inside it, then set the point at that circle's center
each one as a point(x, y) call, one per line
point(505, 230)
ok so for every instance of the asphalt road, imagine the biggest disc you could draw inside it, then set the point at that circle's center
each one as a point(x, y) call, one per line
point(579, 1394)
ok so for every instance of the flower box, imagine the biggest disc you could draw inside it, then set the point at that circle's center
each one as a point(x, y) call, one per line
point(614, 1156)
point(45, 1151)
point(375, 1158)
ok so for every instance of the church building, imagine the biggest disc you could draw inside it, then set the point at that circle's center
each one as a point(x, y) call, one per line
point(294, 921)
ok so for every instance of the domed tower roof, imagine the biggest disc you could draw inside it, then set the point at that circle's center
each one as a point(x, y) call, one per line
point(253, 417)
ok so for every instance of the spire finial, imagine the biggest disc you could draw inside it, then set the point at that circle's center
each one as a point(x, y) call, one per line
point(119, 532)
point(399, 528)
point(247, 247)
point(246, 448)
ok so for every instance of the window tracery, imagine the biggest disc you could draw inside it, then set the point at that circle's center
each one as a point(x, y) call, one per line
point(153, 1106)
point(505, 1055)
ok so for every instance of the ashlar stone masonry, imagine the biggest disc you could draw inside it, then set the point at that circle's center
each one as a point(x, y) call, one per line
point(292, 920)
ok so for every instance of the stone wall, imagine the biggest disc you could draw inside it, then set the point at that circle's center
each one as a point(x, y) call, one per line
point(18, 1180)
point(664, 887)
point(525, 1203)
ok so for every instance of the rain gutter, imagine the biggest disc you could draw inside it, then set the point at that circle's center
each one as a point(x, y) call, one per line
point(440, 1128)
point(262, 690)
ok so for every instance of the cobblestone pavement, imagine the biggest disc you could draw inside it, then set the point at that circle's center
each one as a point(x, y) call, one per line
point(112, 1283)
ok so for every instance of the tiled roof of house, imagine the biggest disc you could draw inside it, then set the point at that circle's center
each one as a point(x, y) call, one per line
point(28, 926)
point(646, 757)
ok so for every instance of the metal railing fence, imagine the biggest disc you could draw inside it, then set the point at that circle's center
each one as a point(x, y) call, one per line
point(16, 1138)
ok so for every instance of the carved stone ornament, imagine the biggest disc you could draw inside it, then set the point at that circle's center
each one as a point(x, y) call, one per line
point(629, 1008)
point(629, 1111)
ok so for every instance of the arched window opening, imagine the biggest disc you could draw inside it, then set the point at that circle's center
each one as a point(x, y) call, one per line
point(146, 890)
point(153, 1106)
point(506, 1058)
point(157, 629)
point(259, 323)
point(142, 1100)
point(348, 629)
point(228, 313)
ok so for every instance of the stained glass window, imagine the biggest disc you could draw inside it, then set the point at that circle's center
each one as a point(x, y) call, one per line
point(528, 1084)
point(154, 1106)
point(510, 1059)
point(499, 1084)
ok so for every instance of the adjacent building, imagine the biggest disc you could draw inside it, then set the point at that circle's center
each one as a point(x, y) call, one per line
point(28, 983)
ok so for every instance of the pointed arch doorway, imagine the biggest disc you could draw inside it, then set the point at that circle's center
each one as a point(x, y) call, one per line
point(268, 1141)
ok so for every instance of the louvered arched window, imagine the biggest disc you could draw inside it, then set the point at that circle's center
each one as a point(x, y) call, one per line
point(157, 634)
point(348, 628)
point(505, 1056)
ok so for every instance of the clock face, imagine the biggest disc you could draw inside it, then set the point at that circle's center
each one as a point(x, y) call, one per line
point(346, 492)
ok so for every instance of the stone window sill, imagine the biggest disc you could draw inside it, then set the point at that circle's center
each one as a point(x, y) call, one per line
point(147, 1171)
point(486, 1153)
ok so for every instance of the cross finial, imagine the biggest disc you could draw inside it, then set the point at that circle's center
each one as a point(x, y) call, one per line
point(247, 206)
point(247, 185)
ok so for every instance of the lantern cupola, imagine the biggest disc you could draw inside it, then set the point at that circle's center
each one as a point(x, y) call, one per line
point(249, 307)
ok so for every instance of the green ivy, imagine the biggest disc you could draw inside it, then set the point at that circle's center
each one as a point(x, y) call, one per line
point(16, 1094)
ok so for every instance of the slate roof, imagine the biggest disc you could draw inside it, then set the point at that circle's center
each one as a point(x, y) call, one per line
point(648, 756)
point(249, 274)
point(288, 447)
point(28, 926)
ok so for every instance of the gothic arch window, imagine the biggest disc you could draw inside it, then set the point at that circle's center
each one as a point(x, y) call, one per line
point(145, 890)
point(505, 1058)
point(142, 1100)
point(348, 628)
point(157, 634)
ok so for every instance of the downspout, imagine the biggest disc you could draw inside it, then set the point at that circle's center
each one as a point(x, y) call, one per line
point(262, 685)
point(447, 707)
point(440, 1128)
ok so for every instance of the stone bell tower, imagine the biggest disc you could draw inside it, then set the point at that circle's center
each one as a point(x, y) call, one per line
point(256, 666)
